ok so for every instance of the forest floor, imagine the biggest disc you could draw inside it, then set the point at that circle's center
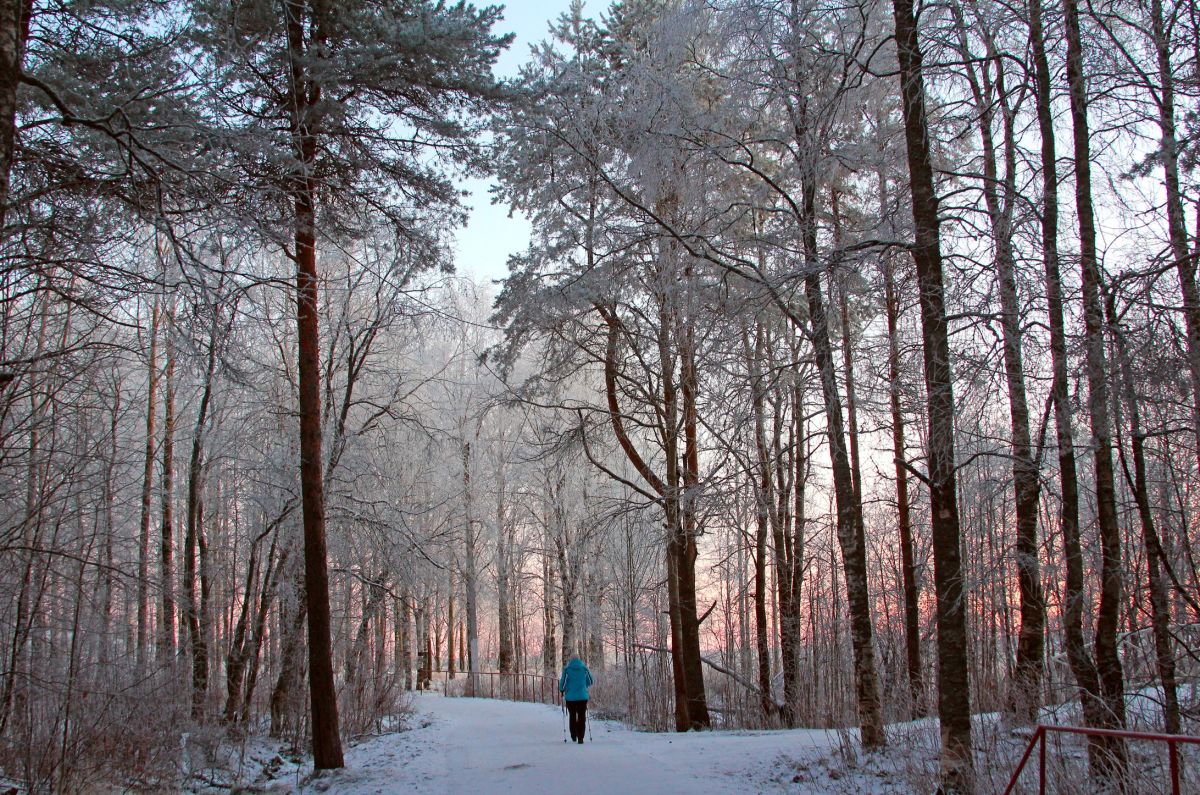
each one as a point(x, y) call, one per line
point(482, 746)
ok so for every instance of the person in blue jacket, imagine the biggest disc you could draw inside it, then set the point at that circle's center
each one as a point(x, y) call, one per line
point(574, 684)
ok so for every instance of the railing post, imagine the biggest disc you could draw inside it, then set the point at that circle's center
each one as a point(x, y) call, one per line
point(1171, 745)
point(1042, 763)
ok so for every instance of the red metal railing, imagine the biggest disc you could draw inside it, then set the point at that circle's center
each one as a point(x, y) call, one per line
point(1039, 740)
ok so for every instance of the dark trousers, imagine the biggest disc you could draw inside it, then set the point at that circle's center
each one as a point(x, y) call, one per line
point(577, 710)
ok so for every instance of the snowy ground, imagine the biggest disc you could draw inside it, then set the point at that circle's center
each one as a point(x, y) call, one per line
point(462, 745)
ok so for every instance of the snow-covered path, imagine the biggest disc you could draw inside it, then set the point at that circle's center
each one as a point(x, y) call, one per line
point(468, 746)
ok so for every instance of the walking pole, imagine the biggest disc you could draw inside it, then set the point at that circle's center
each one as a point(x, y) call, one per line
point(563, 704)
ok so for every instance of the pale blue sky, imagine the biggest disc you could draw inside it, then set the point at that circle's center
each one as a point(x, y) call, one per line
point(490, 236)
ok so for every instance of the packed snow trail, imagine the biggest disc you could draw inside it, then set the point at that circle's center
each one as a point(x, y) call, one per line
point(464, 746)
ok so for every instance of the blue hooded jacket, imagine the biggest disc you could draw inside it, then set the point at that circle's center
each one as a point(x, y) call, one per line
point(575, 681)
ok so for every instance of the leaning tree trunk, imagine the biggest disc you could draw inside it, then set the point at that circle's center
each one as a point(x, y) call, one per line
point(954, 702)
point(850, 529)
point(236, 657)
point(1160, 610)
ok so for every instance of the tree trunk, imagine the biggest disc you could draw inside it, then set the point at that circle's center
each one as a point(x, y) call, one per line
point(144, 553)
point(1108, 754)
point(505, 661)
point(793, 528)
point(549, 642)
point(908, 573)
point(167, 637)
point(850, 529)
point(304, 90)
point(764, 504)
point(402, 610)
point(1185, 262)
point(235, 658)
point(14, 32)
point(954, 703)
point(470, 575)
point(1160, 611)
point(1082, 666)
point(450, 671)
point(989, 95)
point(284, 702)
point(195, 546)
point(679, 556)
point(690, 527)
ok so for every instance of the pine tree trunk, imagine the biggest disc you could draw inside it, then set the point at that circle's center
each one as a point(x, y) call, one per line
point(304, 89)
point(954, 703)
point(668, 490)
